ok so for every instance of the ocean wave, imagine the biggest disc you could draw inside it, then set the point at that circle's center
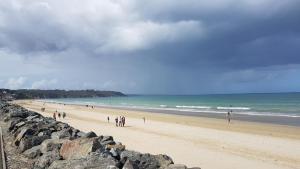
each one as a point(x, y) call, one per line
point(233, 108)
point(194, 107)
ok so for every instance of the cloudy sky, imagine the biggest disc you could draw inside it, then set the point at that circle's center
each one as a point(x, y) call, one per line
point(151, 47)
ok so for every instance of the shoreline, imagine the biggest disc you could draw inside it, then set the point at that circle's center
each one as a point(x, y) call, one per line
point(269, 119)
point(195, 141)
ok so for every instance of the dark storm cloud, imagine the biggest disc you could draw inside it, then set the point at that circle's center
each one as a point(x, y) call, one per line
point(151, 46)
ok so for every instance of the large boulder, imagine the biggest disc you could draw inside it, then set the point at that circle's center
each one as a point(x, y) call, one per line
point(93, 160)
point(51, 145)
point(33, 152)
point(106, 140)
point(176, 166)
point(65, 133)
point(130, 165)
point(79, 148)
point(90, 135)
point(163, 160)
point(46, 159)
point(146, 160)
point(29, 142)
point(21, 134)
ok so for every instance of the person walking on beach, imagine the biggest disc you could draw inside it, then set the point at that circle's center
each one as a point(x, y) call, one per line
point(144, 119)
point(116, 119)
point(123, 121)
point(64, 115)
point(54, 116)
point(107, 119)
point(58, 115)
point(228, 116)
point(120, 121)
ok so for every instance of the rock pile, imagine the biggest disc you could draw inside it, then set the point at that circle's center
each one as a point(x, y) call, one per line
point(56, 145)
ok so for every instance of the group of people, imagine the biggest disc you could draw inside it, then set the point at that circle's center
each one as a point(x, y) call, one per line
point(63, 115)
point(120, 121)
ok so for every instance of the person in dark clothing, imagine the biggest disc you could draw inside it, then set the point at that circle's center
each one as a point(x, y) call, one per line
point(116, 119)
point(64, 115)
point(54, 116)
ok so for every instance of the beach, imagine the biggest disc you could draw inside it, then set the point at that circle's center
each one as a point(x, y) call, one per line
point(209, 143)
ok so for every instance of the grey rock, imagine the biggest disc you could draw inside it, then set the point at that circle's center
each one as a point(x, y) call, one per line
point(79, 148)
point(90, 135)
point(176, 166)
point(51, 145)
point(164, 160)
point(93, 161)
point(130, 165)
point(33, 152)
point(65, 133)
point(20, 124)
point(47, 159)
point(146, 160)
point(29, 142)
point(29, 118)
point(21, 134)
point(80, 134)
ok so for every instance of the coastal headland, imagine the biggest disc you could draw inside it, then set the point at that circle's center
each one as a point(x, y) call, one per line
point(194, 141)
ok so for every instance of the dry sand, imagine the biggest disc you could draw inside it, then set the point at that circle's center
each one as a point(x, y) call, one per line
point(204, 142)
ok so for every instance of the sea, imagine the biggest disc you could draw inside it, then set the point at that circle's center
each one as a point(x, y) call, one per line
point(259, 104)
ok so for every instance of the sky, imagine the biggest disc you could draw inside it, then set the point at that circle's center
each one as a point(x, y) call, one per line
point(151, 47)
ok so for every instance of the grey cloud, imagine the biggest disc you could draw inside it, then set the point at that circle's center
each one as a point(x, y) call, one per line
point(151, 46)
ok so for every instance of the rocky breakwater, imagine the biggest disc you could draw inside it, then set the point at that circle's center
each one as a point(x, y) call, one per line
point(46, 143)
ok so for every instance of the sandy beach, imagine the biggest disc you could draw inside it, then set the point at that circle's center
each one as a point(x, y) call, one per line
point(195, 141)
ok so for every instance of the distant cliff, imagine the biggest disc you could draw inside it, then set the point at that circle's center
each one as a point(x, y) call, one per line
point(7, 94)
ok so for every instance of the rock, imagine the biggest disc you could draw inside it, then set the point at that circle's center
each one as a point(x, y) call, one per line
point(65, 133)
point(79, 148)
point(28, 142)
point(130, 165)
point(106, 140)
point(18, 113)
point(146, 160)
point(94, 161)
point(22, 133)
point(33, 152)
point(118, 147)
point(90, 135)
point(114, 153)
point(176, 166)
point(47, 159)
point(51, 144)
point(13, 123)
point(29, 118)
point(164, 160)
point(80, 134)
point(20, 124)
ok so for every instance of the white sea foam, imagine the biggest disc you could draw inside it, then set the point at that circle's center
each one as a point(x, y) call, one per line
point(194, 107)
point(233, 108)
